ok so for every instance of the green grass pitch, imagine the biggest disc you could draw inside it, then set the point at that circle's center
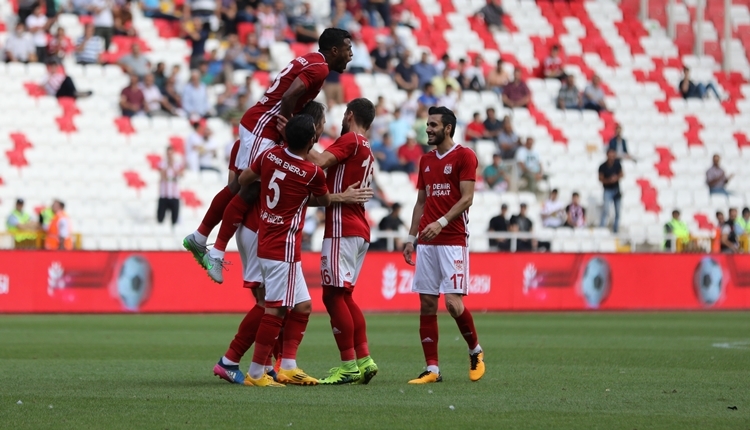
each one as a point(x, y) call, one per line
point(544, 371)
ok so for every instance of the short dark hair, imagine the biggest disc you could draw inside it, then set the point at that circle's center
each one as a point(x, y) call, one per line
point(299, 131)
point(447, 117)
point(719, 213)
point(675, 212)
point(745, 210)
point(363, 111)
point(554, 190)
point(332, 38)
point(575, 194)
point(316, 110)
point(611, 150)
point(427, 85)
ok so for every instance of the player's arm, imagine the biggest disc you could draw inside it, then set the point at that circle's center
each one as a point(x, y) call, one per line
point(352, 195)
point(231, 177)
point(416, 215)
point(291, 96)
point(247, 177)
point(323, 159)
point(321, 201)
point(467, 198)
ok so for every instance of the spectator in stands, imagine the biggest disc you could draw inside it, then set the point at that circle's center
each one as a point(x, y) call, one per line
point(493, 13)
point(495, 175)
point(254, 58)
point(200, 148)
point(524, 225)
point(89, 47)
point(443, 63)
point(170, 172)
point(717, 244)
point(58, 84)
point(195, 96)
point(381, 55)
point(132, 100)
point(59, 46)
point(332, 87)
point(575, 213)
point(172, 94)
point(103, 20)
point(678, 229)
point(26, 8)
point(428, 98)
point(516, 94)
point(59, 235)
point(689, 89)
point(160, 75)
point(593, 95)
point(472, 77)
point(619, 144)
point(716, 179)
point(743, 223)
point(387, 156)
point(361, 61)
point(390, 223)
point(153, 9)
point(356, 10)
point(449, 99)
point(38, 26)
point(410, 152)
point(507, 140)
point(425, 70)
point(420, 127)
point(19, 47)
point(380, 123)
point(398, 129)
point(529, 165)
point(553, 212)
point(22, 227)
point(306, 25)
point(341, 18)
point(610, 173)
point(569, 97)
point(382, 8)
point(475, 129)
point(154, 102)
point(553, 64)
point(233, 112)
point(410, 106)
point(498, 78)
point(499, 223)
point(198, 33)
point(492, 125)
point(123, 20)
point(405, 76)
point(441, 82)
point(135, 63)
point(730, 241)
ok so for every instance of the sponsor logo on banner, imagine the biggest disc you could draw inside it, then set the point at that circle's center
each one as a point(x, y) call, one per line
point(530, 278)
point(55, 277)
point(397, 281)
point(4, 284)
point(448, 169)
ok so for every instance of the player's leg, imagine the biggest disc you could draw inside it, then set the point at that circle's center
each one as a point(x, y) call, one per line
point(367, 367)
point(427, 280)
point(196, 241)
point(294, 327)
point(455, 263)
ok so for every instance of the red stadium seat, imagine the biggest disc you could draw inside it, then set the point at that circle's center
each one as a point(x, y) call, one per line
point(154, 160)
point(178, 144)
point(124, 126)
point(243, 29)
point(133, 180)
point(190, 199)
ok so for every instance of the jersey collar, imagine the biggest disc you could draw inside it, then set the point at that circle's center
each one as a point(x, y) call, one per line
point(289, 153)
point(440, 157)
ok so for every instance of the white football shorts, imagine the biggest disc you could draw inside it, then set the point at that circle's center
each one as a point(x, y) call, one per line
point(251, 146)
point(247, 245)
point(341, 260)
point(285, 283)
point(441, 269)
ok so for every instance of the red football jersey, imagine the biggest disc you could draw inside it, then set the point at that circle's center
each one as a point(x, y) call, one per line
point(356, 161)
point(260, 119)
point(233, 157)
point(440, 177)
point(286, 184)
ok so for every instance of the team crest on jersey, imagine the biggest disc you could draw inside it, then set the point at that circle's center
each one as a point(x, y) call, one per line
point(448, 169)
point(427, 189)
point(459, 265)
point(324, 261)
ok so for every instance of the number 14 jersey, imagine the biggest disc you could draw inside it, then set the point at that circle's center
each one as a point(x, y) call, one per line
point(286, 183)
point(355, 164)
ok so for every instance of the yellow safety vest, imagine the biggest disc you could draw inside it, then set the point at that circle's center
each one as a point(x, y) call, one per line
point(680, 231)
point(19, 235)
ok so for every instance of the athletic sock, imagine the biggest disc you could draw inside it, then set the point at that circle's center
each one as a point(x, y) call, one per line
point(246, 333)
point(465, 324)
point(476, 350)
point(233, 216)
point(428, 332)
point(200, 237)
point(213, 215)
point(216, 253)
point(360, 326)
point(294, 331)
point(270, 325)
point(227, 362)
point(341, 321)
point(433, 369)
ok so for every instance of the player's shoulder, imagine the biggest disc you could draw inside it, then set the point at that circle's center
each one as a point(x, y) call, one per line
point(312, 59)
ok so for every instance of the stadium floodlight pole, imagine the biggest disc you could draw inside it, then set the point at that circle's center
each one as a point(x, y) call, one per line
point(727, 45)
point(699, 15)
point(670, 20)
point(644, 11)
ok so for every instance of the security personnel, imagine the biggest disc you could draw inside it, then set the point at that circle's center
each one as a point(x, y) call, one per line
point(678, 229)
point(59, 232)
point(21, 227)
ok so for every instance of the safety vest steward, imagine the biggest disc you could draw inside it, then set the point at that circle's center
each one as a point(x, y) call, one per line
point(52, 240)
point(20, 235)
point(679, 231)
point(745, 224)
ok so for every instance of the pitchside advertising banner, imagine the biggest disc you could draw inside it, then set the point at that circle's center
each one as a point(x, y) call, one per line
point(32, 281)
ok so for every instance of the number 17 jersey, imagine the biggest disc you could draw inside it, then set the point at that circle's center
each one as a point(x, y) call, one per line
point(355, 164)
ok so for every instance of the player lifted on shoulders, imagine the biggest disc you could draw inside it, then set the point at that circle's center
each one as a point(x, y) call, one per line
point(288, 180)
point(298, 83)
point(349, 161)
point(445, 191)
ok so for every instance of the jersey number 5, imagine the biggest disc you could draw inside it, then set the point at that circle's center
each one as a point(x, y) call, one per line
point(273, 186)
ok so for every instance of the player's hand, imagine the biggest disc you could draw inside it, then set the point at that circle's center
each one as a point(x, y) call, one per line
point(430, 232)
point(281, 122)
point(354, 195)
point(409, 253)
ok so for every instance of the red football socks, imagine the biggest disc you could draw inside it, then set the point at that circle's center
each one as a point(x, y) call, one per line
point(215, 211)
point(360, 326)
point(245, 334)
point(233, 216)
point(428, 332)
point(465, 324)
point(270, 326)
point(341, 321)
point(294, 330)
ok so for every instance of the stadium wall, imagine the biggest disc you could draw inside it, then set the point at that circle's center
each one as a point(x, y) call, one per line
point(104, 282)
